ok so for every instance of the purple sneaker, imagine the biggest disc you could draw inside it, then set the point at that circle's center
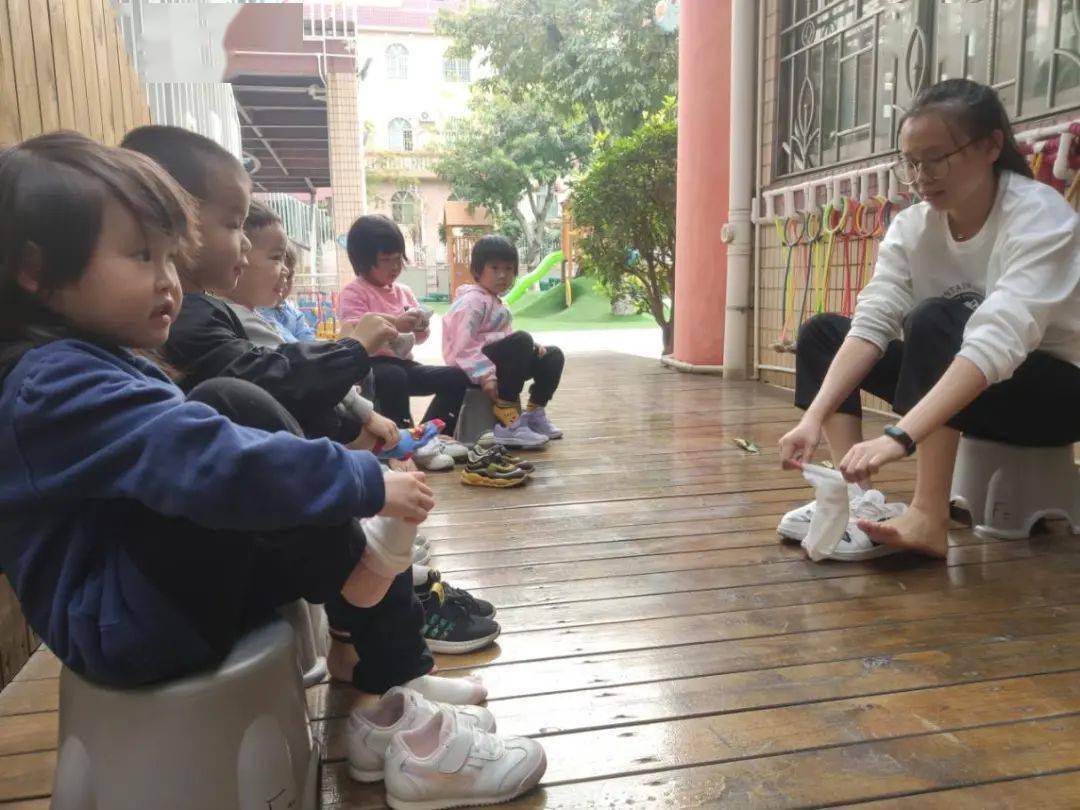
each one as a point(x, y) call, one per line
point(538, 422)
point(518, 434)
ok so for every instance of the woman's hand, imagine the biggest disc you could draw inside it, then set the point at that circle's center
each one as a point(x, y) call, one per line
point(866, 458)
point(798, 445)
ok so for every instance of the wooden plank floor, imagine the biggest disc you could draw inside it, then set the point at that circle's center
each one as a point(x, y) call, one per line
point(670, 652)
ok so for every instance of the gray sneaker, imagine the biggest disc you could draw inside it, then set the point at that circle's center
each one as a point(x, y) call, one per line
point(519, 434)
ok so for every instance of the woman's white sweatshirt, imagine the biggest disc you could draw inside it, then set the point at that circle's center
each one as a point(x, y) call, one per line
point(1020, 274)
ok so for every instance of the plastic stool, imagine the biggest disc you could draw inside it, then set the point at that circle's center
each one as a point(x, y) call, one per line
point(475, 418)
point(1007, 488)
point(311, 660)
point(234, 737)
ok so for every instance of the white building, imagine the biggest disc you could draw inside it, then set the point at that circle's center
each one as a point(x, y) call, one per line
point(410, 92)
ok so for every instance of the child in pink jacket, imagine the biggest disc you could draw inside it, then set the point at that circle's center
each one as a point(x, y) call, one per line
point(478, 340)
point(377, 254)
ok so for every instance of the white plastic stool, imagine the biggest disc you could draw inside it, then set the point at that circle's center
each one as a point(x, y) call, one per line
point(309, 655)
point(236, 737)
point(475, 418)
point(1007, 488)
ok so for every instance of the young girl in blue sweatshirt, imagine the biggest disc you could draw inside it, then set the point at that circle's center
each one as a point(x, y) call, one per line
point(143, 531)
point(376, 648)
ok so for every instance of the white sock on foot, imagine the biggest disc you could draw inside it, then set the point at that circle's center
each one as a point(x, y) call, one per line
point(389, 548)
point(461, 691)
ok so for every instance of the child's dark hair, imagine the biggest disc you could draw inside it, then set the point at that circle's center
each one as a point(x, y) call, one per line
point(369, 236)
point(189, 157)
point(492, 249)
point(978, 111)
point(292, 256)
point(53, 192)
point(260, 216)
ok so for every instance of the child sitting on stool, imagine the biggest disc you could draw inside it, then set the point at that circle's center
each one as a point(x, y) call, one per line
point(477, 339)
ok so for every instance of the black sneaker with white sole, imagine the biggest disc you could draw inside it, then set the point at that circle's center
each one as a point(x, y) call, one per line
point(449, 627)
point(474, 606)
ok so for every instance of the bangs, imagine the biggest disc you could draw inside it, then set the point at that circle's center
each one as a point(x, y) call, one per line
point(54, 189)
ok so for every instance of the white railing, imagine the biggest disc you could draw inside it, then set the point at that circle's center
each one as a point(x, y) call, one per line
point(412, 164)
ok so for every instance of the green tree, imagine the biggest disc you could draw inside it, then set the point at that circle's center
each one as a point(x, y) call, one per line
point(601, 58)
point(508, 155)
point(625, 206)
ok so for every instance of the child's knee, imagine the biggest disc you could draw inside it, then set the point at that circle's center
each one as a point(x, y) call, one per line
point(245, 404)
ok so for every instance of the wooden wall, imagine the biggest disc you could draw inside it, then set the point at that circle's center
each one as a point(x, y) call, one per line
point(63, 65)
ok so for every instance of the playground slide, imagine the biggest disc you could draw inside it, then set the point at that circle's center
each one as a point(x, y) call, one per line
point(541, 271)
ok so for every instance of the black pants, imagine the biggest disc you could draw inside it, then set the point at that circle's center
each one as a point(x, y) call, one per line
point(396, 380)
point(517, 359)
point(226, 582)
point(1039, 406)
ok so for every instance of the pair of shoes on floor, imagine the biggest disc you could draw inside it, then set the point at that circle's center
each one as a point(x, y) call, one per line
point(455, 622)
point(855, 545)
point(441, 453)
point(530, 431)
point(495, 467)
point(434, 756)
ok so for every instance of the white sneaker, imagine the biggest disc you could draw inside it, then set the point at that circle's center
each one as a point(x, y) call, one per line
point(455, 449)
point(856, 544)
point(519, 434)
point(431, 457)
point(370, 730)
point(795, 525)
point(445, 763)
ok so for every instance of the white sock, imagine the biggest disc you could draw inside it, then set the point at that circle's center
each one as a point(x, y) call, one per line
point(467, 691)
point(389, 548)
point(419, 575)
point(831, 511)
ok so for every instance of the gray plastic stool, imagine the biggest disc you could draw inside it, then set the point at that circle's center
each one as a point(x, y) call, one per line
point(1007, 488)
point(309, 658)
point(475, 418)
point(234, 738)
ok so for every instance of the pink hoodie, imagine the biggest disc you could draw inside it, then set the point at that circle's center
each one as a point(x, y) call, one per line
point(477, 318)
point(360, 297)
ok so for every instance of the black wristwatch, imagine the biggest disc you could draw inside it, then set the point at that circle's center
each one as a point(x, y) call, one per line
point(897, 434)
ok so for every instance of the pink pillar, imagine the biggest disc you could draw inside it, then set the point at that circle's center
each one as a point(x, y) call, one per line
point(702, 203)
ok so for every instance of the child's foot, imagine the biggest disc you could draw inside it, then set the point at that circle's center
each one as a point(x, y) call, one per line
point(537, 420)
point(914, 530)
point(468, 691)
point(519, 434)
point(341, 660)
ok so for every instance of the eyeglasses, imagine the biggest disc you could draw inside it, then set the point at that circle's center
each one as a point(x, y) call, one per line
point(909, 171)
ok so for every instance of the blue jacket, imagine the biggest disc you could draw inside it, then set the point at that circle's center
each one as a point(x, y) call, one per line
point(86, 431)
point(292, 321)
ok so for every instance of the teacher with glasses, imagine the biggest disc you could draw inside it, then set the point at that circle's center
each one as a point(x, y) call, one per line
point(970, 324)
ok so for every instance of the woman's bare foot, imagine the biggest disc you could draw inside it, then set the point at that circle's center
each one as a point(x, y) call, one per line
point(340, 660)
point(914, 530)
point(402, 465)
